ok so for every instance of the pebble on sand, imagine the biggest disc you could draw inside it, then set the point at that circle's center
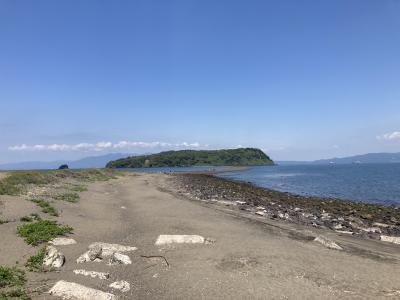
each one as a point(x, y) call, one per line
point(62, 241)
point(327, 243)
point(165, 239)
point(122, 285)
point(93, 254)
point(71, 290)
point(92, 274)
point(119, 259)
point(109, 249)
point(53, 258)
point(240, 202)
point(390, 239)
point(99, 250)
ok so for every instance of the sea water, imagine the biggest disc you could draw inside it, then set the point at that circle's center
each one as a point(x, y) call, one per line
point(374, 183)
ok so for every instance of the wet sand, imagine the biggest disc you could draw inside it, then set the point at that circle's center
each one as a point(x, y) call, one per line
point(363, 219)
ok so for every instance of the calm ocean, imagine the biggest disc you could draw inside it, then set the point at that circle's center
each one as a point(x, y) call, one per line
point(375, 183)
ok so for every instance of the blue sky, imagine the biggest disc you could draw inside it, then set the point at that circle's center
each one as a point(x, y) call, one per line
point(301, 80)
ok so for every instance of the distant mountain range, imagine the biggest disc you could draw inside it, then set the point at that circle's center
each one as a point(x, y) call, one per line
point(87, 162)
point(370, 158)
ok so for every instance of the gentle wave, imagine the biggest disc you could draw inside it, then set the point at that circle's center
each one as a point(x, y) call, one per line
point(374, 183)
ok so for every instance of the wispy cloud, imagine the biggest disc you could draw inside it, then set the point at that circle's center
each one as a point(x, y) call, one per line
point(390, 136)
point(106, 146)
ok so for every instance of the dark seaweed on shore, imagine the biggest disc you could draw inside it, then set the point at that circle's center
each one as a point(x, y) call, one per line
point(365, 219)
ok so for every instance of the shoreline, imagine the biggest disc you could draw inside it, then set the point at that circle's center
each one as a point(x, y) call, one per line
point(316, 198)
point(392, 204)
point(134, 209)
point(211, 170)
point(226, 169)
point(371, 221)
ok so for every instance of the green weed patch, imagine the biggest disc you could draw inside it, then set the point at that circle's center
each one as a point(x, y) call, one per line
point(69, 197)
point(35, 262)
point(46, 207)
point(42, 231)
point(79, 188)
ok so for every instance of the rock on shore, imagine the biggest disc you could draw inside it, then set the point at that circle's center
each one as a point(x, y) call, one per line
point(363, 219)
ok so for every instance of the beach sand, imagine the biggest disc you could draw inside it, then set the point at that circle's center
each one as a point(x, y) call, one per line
point(246, 257)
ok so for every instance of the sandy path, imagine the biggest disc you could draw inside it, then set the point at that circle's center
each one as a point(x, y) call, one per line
point(250, 260)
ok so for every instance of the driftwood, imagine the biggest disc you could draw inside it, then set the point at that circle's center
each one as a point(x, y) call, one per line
point(156, 256)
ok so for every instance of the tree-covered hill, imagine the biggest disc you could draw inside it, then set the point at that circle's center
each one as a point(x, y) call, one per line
point(184, 158)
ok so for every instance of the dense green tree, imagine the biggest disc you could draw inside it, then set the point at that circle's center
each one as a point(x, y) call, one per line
point(185, 158)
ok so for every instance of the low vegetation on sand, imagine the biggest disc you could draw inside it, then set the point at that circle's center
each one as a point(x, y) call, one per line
point(35, 262)
point(98, 175)
point(65, 185)
point(78, 188)
point(16, 293)
point(183, 158)
point(42, 231)
point(11, 276)
point(17, 182)
point(12, 282)
point(46, 207)
point(30, 218)
point(69, 197)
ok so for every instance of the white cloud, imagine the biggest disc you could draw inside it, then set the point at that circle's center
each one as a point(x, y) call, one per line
point(395, 135)
point(106, 146)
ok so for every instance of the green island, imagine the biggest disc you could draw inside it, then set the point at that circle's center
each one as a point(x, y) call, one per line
point(187, 158)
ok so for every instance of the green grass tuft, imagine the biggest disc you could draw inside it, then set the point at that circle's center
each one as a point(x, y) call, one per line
point(12, 281)
point(16, 182)
point(3, 221)
point(42, 231)
point(17, 293)
point(9, 189)
point(35, 262)
point(79, 188)
point(46, 207)
point(35, 216)
point(26, 219)
point(32, 217)
point(92, 175)
point(11, 277)
point(69, 197)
